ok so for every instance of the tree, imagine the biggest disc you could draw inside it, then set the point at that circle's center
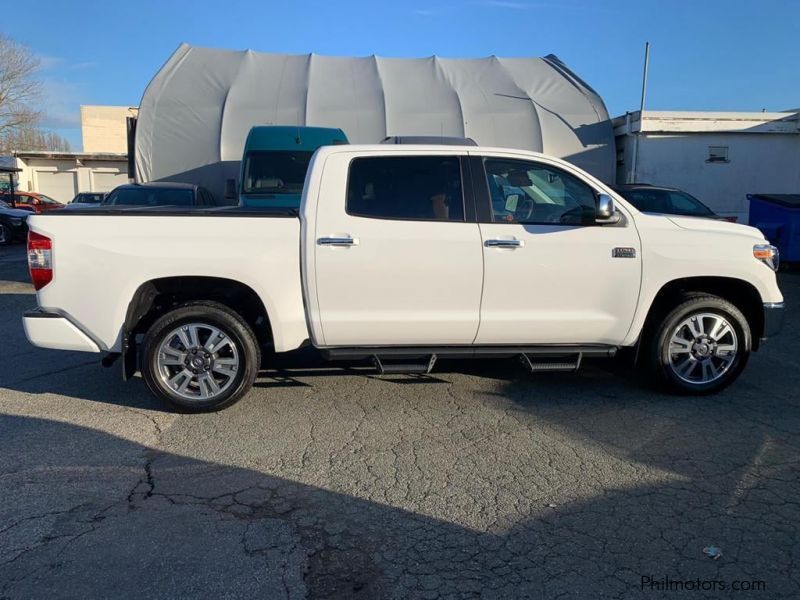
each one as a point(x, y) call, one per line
point(20, 94)
point(20, 91)
point(32, 138)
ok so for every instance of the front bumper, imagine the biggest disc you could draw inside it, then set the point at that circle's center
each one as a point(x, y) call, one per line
point(774, 315)
point(53, 330)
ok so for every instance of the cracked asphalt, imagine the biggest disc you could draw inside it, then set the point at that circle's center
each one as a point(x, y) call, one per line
point(325, 482)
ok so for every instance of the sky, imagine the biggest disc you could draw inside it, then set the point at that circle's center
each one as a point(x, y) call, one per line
point(705, 54)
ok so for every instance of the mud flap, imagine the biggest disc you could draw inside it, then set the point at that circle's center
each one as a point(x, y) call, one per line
point(130, 363)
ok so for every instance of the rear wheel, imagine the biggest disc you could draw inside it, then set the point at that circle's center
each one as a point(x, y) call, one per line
point(200, 357)
point(701, 346)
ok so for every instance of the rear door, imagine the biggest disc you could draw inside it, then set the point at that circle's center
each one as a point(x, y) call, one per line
point(552, 274)
point(396, 260)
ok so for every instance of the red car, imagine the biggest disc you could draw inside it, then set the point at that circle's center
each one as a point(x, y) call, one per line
point(32, 201)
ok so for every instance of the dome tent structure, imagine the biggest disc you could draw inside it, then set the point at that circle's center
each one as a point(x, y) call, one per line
point(196, 112)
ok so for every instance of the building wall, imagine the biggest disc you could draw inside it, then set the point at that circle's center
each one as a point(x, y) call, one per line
point(103, 128)
point(757, 163)
point(62, 178)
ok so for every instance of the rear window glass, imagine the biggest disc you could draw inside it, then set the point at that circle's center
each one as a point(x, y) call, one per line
point(409, 187)
point(276, 172)
point(150, 197)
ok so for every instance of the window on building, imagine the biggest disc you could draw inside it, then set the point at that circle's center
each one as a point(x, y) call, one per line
point(718, 154)
point(423, 188)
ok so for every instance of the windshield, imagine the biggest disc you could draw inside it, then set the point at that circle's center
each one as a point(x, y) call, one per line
point(3, 204)
point(88, 198)
point(275, 172)
point(147, 196)
point(671, 202)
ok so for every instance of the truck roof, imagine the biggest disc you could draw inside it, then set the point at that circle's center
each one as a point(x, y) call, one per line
point(290, 137)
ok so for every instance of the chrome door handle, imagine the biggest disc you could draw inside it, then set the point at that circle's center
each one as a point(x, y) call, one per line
point(503, 243)
point(337, 241)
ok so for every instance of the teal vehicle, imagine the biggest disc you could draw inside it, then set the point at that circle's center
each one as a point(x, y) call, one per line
point(275, 162)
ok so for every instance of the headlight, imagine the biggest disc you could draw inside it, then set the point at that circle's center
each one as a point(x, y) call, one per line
point(16, 221)
point(768, 254)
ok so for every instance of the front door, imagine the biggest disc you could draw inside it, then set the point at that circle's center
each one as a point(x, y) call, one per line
point(396, 263)
point(551, 274)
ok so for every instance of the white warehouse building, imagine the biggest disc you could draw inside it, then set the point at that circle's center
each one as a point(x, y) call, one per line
point(719, 157)
point(102, 166)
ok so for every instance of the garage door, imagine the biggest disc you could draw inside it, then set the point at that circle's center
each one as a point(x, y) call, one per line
point(105, 182)
point(56, 184)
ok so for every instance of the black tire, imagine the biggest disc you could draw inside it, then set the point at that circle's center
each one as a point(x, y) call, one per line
point(658, 346)
point(6, 236)
point(225, 320)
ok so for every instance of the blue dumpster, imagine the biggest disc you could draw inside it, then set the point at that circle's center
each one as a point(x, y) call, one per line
point(778, 218)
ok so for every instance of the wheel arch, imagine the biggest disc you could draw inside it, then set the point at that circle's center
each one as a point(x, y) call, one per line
point(155, 297)
point(742, 294)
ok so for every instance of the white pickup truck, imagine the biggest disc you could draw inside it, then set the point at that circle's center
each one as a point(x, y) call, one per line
point(404, 254)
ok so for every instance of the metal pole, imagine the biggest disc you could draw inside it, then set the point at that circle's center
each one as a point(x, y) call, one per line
point(641, 113)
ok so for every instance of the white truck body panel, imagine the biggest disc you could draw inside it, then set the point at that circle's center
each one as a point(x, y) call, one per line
point(405, 282)
point(99, 262)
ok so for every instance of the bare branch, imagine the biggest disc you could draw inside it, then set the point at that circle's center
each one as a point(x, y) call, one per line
point(20, 91)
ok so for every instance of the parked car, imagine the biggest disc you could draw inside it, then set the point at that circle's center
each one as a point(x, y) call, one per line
point(666, 201)
point(88, 199)
point(158, 194)
point(33, 201)
point(13, 224)
point(6, 198)
point(398, 254)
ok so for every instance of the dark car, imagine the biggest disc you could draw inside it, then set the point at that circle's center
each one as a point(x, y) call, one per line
point(159, 194)
point(13, 224)
point(666, 201)
point(88, 199)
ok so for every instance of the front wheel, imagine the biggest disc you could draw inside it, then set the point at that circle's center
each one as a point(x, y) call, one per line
point(200, 357)
point(701, 346)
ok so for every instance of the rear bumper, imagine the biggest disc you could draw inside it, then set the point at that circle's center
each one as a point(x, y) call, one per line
point(53, 330)
point(774, 314)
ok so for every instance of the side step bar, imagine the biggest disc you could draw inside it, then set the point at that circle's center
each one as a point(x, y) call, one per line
point(385, 369)
point(511, 351)
point(407, 359)
point(539, 365)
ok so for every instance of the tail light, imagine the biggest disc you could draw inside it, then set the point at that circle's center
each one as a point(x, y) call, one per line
point(40, 259)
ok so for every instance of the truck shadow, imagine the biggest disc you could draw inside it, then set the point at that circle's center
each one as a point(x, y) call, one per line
point(111, 516)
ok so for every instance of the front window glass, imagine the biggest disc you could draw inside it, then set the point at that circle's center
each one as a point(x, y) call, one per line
point(275, 172)
point(145, 196)
point(48, 199)
point(425, 188)
point(533, 193)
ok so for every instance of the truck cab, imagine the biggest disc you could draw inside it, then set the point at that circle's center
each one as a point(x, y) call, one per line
point(275, 162)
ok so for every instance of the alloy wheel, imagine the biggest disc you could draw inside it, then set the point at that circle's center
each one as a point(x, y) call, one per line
point(197, 361)
point(702, 348)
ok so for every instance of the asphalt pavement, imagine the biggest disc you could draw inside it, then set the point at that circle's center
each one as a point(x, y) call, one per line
point(479, 480)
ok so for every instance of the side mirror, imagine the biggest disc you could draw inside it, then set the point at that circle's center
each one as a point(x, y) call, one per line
point(230, 188)
point(606, 213)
